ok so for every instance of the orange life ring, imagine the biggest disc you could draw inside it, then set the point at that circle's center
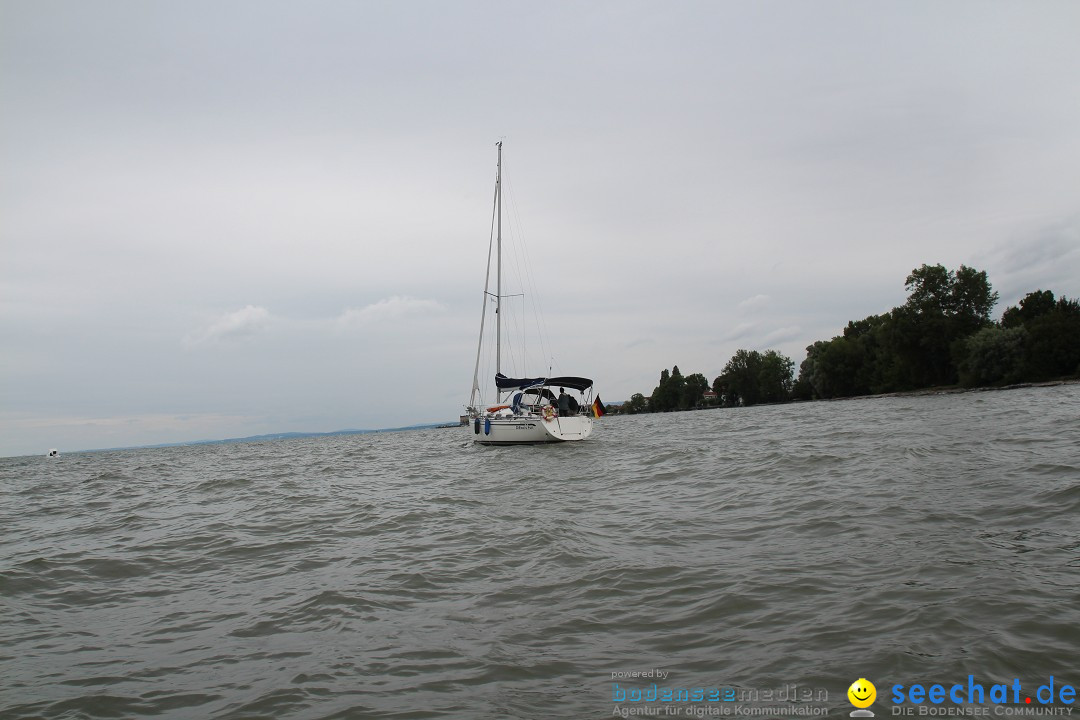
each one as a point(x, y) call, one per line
point(549, 413)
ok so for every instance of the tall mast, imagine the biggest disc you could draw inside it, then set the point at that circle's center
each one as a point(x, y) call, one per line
point(498, 275)
point(483, 317)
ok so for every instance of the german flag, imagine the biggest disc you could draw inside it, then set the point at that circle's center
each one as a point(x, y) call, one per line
point(598, 409)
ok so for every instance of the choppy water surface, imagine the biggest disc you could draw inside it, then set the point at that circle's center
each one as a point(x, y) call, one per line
point(414, 575)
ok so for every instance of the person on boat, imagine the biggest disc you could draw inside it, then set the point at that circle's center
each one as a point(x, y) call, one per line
point(564, 403)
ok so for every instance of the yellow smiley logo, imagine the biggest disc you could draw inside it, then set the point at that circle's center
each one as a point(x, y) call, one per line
point(862, 693)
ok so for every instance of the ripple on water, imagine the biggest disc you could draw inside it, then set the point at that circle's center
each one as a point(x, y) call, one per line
point(416, 575)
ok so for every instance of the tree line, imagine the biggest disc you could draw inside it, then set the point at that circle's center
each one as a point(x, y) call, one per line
point(942, 335)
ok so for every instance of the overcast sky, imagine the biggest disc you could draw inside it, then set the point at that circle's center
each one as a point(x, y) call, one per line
point(229, 218)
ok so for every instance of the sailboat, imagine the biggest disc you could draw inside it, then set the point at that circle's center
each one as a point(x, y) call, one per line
point(526, 410)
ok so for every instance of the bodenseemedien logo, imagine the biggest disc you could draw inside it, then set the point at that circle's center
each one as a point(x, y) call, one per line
point(861, 694)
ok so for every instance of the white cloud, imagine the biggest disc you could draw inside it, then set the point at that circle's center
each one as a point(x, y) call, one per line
point(1044, 257)
point(739, 332)
point(754, 302)
point(780, 335)
point(388, 309)
point(246, 322)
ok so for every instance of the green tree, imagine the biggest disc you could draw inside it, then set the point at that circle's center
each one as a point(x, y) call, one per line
point(972, 297)
point(802, 390)
point(1053, 338)
point(636, 404)
point(1038, 340)
point(871, 364)
point(831, 367)
point(775, 377)
point(943, 306)
point(910, 347)
point(676, 386)
point(1034, 305)
point(666, 395)
point(740, 377)
point(657, 399)
point(693, 391)
point(929, 289)
point(723, 392)
point(751, 377)
point(808, 370)
point(992, 355)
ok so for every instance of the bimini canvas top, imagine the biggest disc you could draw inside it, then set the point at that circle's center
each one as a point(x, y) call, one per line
point(574, 383)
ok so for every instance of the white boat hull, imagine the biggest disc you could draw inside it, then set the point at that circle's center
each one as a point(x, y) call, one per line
point(532, 429)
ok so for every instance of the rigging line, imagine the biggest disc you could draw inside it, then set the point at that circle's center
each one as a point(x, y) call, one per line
point(514, 322)
point(515, 264)
point(515, 256)
point(510, 330)
point(523, 349)
point(538, 314)
point(512, 326)
point(523, 277)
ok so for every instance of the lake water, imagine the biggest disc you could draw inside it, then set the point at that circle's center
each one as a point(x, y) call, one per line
point(906, 540)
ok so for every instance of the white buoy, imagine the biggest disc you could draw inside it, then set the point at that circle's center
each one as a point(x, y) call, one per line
point(54, 453)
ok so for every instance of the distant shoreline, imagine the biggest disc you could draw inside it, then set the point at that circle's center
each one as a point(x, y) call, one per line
point(262, 438)
point(955, 390)
point(925, 392)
